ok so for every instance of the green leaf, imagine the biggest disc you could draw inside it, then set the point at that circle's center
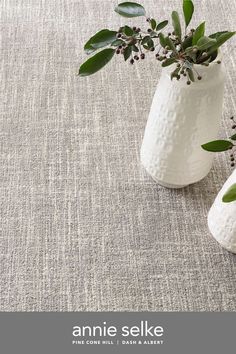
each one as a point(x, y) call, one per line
point(147, 42)
point(188, 9)
point(191, 74)
point(199, 33)
point(218, 146)
point(162, 40)
point(135, 48)
point(97, 62)
point(221, 39)
point(128, 31)
point(145, 39)
point(150, 43)
point(224, 37)
point(189, 49)
point(168, 62)
point(187, 42)
point(130, 9)
point(170, 44)
point(117, 42)
point(127, 52)
point(230, 195)
point(217, 34)
point(205, 43)
point(161, 25)
point(176, 24)
point(99, 40)
point(153, 24)
point(233, 137)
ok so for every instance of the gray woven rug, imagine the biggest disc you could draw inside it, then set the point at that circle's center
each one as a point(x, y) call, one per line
point(83, 227)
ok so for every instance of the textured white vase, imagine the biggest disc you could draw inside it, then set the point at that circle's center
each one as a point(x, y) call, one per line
point(222, 218)
point(182, 118)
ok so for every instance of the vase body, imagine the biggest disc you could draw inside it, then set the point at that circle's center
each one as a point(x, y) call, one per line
point(181, 119)
point(222, 218)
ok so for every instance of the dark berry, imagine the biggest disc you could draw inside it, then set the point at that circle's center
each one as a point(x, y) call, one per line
point(117, 51)
point(232, 164)
point(232, 159)
point(118, 35)
point(232, 118)
point(218, 62)
point(149, 30)
point(152, 49)
point(188, 82)
point(142, 56)
point(136, 57)
point(157, 55)
point(199, 77)
point(120, 47)
point(134, 28)
point(132, 61)
point(178, 65)
point(234, 126)
point(148, 20)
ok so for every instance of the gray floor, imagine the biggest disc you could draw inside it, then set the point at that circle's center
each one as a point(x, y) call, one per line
point(83, 227)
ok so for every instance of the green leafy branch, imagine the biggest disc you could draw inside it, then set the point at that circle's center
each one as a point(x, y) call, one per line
point(182, 48)
point(222, 146)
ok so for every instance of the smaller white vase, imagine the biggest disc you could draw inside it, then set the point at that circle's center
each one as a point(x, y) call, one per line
point(222, 218)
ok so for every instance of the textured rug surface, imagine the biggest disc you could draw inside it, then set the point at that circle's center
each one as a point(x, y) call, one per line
point(83, 227)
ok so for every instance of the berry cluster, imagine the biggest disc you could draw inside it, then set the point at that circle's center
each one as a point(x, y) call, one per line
point(130, 43)
point(232, 157)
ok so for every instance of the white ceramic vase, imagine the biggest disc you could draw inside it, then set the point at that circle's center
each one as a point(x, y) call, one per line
point(222, 218)
point(182, 118)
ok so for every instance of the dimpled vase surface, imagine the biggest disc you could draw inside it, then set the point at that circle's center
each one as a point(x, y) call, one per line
point(182, 118)
point(222, 218)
